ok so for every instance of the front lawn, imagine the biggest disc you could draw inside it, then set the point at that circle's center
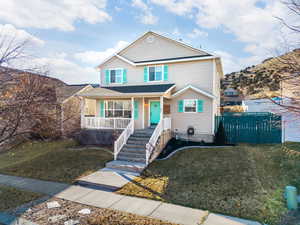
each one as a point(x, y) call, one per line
point(245, 181)
point(11, 198)
point(53, 161)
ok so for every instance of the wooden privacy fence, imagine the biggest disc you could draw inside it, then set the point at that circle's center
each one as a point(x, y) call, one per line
point(255, 128)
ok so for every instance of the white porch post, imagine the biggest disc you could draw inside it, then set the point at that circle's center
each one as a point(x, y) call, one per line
point(132, 109)
point(82, 109)
point(161, 107)
point(143, 112)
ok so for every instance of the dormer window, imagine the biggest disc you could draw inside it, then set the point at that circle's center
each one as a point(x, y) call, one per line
point(155, 73)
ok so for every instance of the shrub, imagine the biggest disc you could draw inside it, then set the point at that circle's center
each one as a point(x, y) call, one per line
point(220, 136)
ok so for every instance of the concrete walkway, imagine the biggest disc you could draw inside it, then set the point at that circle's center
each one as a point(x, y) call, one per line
point(144, 207)
point(106, 180)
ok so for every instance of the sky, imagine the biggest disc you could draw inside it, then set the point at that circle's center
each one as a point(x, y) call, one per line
point(72, 37)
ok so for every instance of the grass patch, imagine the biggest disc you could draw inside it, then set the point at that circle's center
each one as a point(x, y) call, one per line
point(53, 161)
point(12, 198)
point(245, 181)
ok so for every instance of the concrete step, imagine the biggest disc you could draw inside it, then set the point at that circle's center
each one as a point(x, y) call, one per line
point(126, 166)
point(133, 150)
point(138, 142)
point(141, 135)
point(132, 154)
point(135, 145)
point(132, 159)
point(138, 138)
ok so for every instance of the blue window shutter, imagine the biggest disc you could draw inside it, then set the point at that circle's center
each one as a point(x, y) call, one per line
point(124, 76)
point(166, 71)
point(101, 108)
point(180, 106)
point(145, 74)
point(107, 77)
point(136, 110)
point(199, 105)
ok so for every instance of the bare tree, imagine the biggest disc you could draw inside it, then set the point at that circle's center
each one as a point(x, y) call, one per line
point(22, 92)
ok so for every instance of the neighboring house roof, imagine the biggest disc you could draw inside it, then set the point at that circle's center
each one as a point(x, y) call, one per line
point(65, 92)
point(141, 88)
point(195, 89)
point(129, 91)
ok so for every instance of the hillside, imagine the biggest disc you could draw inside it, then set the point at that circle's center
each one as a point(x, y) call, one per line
point(263, 79)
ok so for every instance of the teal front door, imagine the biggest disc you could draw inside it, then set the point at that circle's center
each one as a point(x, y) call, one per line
point(154, 112)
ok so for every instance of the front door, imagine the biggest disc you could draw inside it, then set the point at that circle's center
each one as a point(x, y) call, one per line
point(154, 112)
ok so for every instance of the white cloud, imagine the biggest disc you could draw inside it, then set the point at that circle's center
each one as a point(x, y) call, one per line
point(147, 17)
point(196, 33)
point(53, 14)
point(95, 57)
point(252, 25)
point(9, 32)
point(64, 69)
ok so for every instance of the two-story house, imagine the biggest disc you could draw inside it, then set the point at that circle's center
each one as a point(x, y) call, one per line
point(156, 84)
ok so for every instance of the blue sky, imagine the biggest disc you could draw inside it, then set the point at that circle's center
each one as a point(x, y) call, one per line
point(71, 37)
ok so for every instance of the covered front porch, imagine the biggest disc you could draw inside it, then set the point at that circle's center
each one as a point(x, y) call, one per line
point(104, 108)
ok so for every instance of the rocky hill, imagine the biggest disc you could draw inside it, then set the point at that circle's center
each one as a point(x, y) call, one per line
point(265, 78)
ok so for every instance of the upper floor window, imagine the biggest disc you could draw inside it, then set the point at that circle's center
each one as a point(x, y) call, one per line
point(155, 73)
point(116, 76)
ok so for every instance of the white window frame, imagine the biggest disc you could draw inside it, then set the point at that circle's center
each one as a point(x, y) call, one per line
point(122, 72)
point(162, 73)
point(184, 102)
point(113, 100)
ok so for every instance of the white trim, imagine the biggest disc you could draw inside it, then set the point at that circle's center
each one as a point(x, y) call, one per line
point(175, 60)
point(143, 112)
point(125, 60)
point(164, 61)
point(170, 88)
point(195, 89)
point(190, 100)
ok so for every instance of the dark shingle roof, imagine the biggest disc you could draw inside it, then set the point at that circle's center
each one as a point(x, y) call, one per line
point(185, 57)
point(141, 88)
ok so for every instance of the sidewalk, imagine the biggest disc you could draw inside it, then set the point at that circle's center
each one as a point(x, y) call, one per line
point(144, 207)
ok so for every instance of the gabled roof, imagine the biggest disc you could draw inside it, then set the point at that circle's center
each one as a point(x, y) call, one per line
point(201, 52)
point(207, 94)
point(65, 92)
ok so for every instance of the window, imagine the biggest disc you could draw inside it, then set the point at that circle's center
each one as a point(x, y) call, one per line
point(116, 76)
point(190, 105)
point(155, 73)
point(117, 108)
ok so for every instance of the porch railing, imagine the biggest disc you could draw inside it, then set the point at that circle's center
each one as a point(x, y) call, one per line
point(163, 124)
point(122, 139)
point(104, 123)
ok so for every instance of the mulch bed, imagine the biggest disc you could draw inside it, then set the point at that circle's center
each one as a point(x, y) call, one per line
point(68, 210)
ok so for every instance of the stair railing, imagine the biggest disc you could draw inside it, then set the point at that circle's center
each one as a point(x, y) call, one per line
point(150, 146)
point(122, 139)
